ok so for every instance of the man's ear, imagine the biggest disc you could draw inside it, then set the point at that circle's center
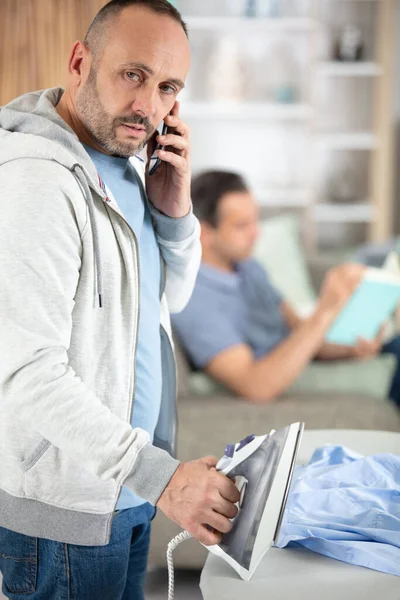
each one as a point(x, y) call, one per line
point(207, 233)
point(79, 63)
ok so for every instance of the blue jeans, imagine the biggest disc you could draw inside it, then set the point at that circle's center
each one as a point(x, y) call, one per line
point(40, 569)
point(393, 347)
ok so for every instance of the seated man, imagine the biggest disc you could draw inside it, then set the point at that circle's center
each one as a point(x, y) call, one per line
point(237, 327)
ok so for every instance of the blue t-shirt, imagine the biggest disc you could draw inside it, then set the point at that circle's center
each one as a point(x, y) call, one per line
point(228, 309)
point(121, 179)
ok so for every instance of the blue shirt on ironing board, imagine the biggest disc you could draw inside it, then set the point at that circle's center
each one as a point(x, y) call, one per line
point(346, 506)
point(120, 178)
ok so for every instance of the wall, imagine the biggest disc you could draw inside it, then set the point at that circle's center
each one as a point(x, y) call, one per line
point(397, 65)
point(36, 37)
point(396, 120)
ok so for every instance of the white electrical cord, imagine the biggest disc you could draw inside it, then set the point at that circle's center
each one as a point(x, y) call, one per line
point(185, 535)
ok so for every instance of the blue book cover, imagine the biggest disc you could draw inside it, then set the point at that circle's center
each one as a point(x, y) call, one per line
point(371, 305)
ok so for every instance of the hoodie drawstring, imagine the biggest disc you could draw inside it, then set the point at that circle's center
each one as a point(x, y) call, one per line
point(80, 175)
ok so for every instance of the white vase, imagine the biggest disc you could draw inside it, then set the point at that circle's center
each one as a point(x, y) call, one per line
point(226, 80)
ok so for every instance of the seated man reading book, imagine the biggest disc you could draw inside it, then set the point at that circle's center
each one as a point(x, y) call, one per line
point(237, 327)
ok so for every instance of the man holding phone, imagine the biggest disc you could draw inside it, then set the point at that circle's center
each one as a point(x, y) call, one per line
point(94, 253)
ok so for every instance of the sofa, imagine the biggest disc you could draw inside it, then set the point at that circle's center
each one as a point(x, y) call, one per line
point(337, 396)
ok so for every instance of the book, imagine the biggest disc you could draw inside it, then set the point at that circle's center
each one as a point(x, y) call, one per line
point(371, 305)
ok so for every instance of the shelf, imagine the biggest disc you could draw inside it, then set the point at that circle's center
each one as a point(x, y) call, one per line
point(319, 136)
point(349, 141)
point(349, 69)
point(282, 197)
point(245, 110)
point(250, 24)
point(344, 213)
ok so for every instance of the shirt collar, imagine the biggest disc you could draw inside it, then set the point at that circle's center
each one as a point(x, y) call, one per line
point(217, 278)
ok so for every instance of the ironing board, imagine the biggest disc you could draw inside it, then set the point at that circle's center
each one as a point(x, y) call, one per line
point(297, 572)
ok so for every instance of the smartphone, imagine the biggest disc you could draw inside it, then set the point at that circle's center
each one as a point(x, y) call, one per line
point(155, 162)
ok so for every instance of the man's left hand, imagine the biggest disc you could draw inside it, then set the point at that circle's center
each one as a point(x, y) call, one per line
point(365, 349)
point(169, 187)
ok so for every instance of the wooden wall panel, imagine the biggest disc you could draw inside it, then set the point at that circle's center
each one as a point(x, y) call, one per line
point(36, 37)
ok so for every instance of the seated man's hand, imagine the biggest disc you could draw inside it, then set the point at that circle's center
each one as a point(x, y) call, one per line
point(339, 284)
point(365, 349)
point(201, 500)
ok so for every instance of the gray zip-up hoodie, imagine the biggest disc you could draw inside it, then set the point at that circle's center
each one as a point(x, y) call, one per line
point(69, 308)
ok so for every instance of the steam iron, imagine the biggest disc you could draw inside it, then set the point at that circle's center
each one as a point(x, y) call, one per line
point(262, 467)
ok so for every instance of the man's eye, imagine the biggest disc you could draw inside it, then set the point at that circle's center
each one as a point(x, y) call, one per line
point(168, 89)
point(133, 76)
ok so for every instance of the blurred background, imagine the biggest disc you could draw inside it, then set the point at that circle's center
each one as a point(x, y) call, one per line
point(300, 96)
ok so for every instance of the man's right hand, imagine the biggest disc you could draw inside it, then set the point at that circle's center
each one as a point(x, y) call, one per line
point(340, 283)
point(201, 500)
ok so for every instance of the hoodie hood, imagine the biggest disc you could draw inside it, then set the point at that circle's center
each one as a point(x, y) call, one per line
point(30, 127)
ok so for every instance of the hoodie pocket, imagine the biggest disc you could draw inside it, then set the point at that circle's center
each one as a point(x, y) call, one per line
point(33, 457)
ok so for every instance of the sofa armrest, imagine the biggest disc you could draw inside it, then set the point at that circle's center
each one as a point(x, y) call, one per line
point(182, 368)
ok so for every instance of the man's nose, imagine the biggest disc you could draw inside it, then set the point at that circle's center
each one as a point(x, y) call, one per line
point(145, 101)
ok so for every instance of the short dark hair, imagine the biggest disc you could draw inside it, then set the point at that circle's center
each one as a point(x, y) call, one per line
point(207, 190)
point(97, 28)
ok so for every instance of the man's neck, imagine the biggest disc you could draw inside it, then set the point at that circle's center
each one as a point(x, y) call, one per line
point(217, 262)
point(65, 109)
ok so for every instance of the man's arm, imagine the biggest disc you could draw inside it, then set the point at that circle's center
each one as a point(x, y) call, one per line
point(179, 241)
point(362, 350)
point(178, 231)
point(264, 379)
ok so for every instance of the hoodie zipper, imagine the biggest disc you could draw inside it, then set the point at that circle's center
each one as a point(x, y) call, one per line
point(163, 280)
point(132, 395)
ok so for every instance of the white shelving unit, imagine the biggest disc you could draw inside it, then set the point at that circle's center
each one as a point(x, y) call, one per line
point(250, 25)
point(287, 150)
point(283, 197)
point(247, 110)
point(340, 69)
point(357, 140)
point(347, 213)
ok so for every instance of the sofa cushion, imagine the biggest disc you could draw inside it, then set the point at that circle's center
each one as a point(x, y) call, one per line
point(182, 368)
point(370, 377)
point(280, 251)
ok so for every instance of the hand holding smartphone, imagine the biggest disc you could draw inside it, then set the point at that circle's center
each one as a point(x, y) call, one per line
point(169, 189)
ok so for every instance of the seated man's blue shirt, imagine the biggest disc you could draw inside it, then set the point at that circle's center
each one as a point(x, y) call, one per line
point(229, 309)
point(120, 178)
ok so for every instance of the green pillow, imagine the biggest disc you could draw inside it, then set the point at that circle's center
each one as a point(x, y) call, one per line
point(280, 251)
